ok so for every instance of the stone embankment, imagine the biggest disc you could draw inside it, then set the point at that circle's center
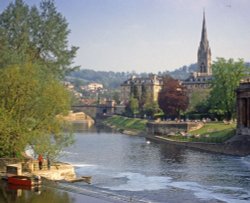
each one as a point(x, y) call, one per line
point(60, 171)
point(57, 171)
point(171, 127)
point(157, 131)
point(237, 148)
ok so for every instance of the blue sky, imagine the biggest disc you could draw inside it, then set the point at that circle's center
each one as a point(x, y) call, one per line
point(153, 35)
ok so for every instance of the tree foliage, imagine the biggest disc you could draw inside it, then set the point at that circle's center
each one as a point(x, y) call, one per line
point(133, 106)
point(173, 97)
point(226, 78)
point(34, 54)
point(197, 98)
point(28, 108)
point(36, 35)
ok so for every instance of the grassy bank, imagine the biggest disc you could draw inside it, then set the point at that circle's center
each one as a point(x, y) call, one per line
point(215, 132)
point(124, 123)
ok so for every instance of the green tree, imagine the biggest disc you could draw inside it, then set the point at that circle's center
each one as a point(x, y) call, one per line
point(150, 109)
point(133, 105)
point(28, 108)
point(36, 35)
point(197, 98)
point(34, 55)
point(226, 78)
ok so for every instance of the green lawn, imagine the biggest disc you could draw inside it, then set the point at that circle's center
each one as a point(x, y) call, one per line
point(213, 132)
point(216, 132)
point(127, 123)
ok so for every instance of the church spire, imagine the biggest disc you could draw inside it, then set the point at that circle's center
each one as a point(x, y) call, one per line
point(204, 29)
point(204, 52)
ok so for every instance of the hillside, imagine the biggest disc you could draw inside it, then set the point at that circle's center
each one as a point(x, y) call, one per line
point(112, 80)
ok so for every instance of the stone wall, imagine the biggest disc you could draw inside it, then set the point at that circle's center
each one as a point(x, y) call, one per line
point(235, 148)
point(7, 161)
point(166, 128)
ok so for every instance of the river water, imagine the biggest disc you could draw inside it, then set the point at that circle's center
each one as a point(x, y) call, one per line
point(130, 168)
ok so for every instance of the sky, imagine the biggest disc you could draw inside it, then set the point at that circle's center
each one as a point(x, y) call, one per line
point(152, 35)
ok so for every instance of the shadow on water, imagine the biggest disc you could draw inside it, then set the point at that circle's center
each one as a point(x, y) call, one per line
point(172, 153)
point(20, 194)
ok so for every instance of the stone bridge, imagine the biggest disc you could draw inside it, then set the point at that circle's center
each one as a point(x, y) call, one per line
point(98, 110)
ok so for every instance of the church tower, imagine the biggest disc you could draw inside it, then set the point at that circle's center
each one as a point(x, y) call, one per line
point(204, 52)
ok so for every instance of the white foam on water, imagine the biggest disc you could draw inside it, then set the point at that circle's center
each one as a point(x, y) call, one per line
point(246, 160)
point(139, 182)
point(69, 153)
point(226, 194)
point(81, 165)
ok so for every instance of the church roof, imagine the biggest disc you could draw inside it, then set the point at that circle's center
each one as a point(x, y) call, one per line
point(204, 29)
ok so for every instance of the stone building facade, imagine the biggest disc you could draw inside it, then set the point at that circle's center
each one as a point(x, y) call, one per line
point(201, 78)
point(243, 108)
point(151, 85)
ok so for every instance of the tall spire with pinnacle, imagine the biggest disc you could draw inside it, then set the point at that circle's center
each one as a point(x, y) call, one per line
point(204, 52)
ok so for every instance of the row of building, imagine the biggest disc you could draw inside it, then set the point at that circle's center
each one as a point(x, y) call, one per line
point(153, 83)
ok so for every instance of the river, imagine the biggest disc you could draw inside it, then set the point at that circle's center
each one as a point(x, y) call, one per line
point(128, 168)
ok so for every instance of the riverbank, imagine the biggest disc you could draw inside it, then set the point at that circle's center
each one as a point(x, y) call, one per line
point(215, 138)
point(56, 184)
point(128, 126)
point(234, 148)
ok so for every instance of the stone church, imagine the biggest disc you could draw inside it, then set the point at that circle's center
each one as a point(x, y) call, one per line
point(200, 79)
point(197, 80)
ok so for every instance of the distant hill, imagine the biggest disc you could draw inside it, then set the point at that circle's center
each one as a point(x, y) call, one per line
point(109, 79)
point(183, 72)
point(112, 80)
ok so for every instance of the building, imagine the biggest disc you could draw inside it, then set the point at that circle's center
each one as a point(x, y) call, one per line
point(92, 86)
point(201, 78)
point(150, 86)
point(243, 108)
point(153, 84)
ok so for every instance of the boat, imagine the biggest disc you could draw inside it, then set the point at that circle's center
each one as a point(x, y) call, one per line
point(25, 180)
point(33, 188)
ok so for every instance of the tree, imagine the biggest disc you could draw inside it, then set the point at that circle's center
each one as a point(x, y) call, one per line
point(197, 98)
point(133, 106)
point(36, 35)
point(173, 97)
point(34, 56)
point(150, 109)
point(28, 108)
point(226, 78)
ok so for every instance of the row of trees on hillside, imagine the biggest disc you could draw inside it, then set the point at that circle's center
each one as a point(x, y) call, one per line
point(34, 56)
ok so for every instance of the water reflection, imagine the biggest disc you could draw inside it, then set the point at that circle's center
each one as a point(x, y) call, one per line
point(172, 153)
point(21, 194)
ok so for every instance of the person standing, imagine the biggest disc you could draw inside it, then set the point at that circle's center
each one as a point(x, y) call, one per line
point(40, 161)
point(48, 162)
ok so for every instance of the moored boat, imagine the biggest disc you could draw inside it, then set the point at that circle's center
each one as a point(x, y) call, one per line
point(24, 180)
